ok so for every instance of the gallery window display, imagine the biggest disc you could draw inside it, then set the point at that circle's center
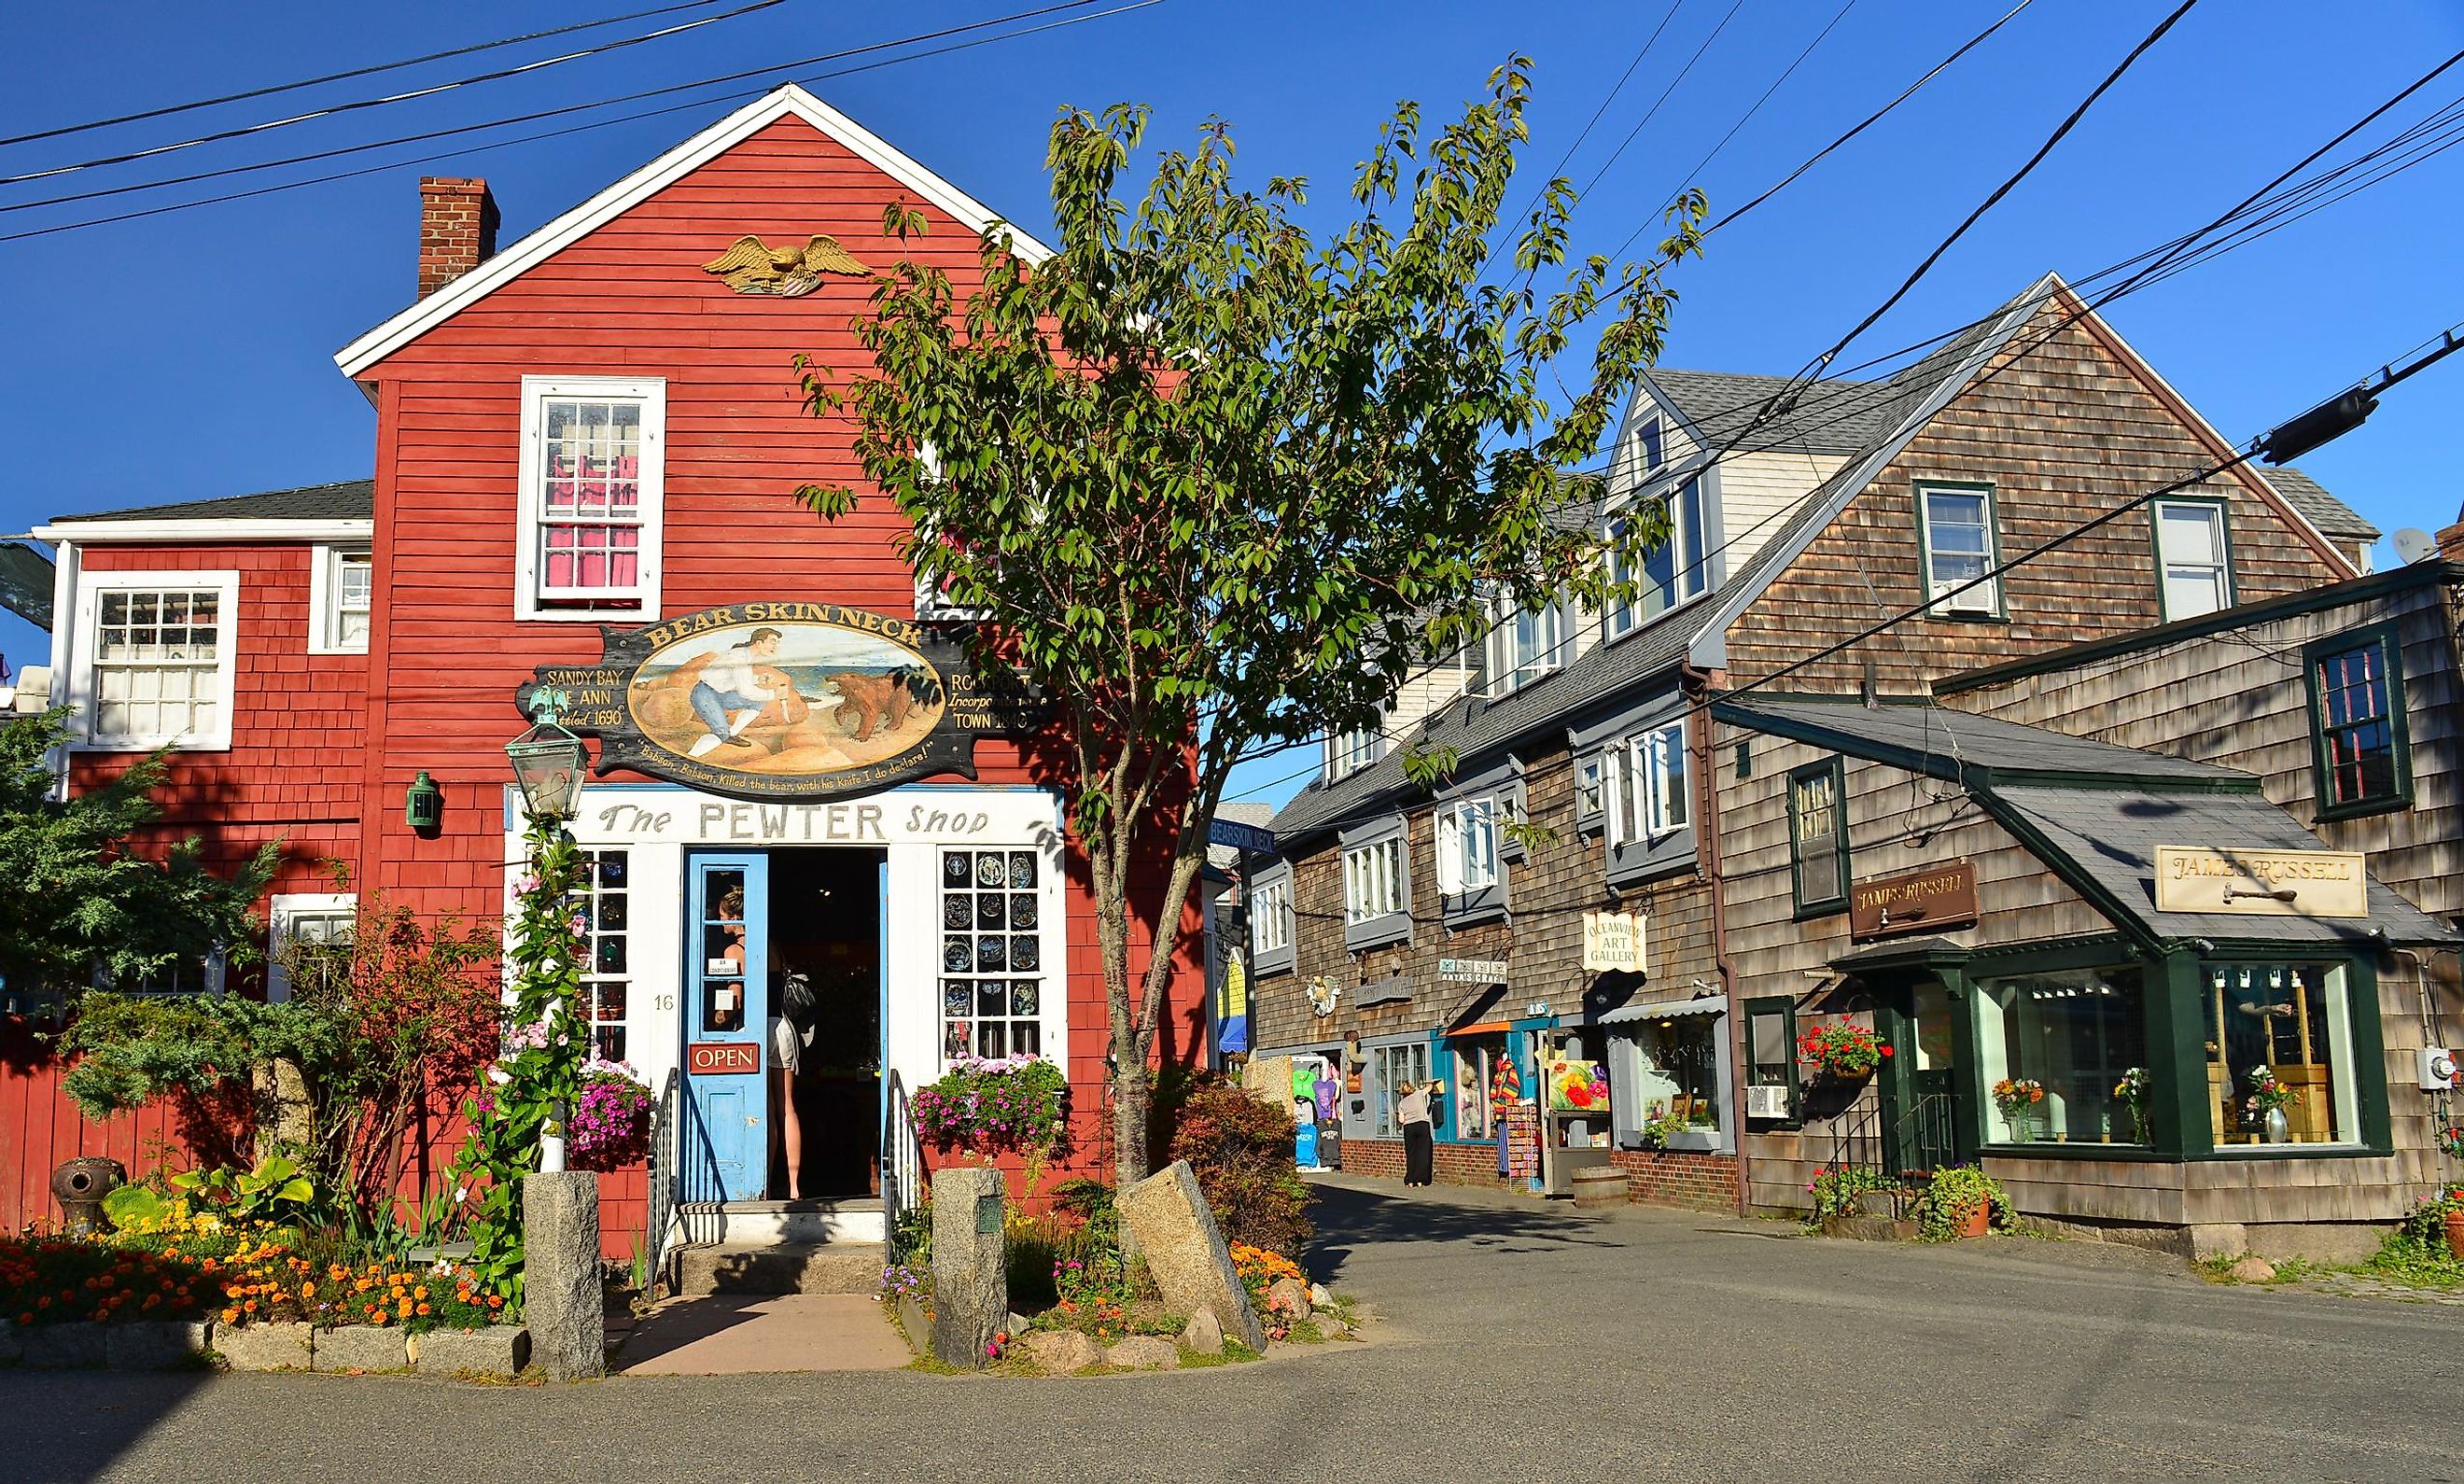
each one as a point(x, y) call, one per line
point(2279, 1054)
point(2058, 1055)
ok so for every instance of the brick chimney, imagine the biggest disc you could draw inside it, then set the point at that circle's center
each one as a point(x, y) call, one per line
point(457, 228)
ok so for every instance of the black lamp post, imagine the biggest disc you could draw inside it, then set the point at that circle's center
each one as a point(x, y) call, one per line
point(548, 761)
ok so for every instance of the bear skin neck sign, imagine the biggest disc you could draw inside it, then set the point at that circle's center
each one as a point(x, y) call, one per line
point(783, 701)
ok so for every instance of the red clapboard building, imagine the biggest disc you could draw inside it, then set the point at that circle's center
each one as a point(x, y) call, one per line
point(587, 445)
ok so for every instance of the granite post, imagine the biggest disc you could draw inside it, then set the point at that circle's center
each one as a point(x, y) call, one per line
point(560, 1294)
point(1186, 1252)
point(970, 1268)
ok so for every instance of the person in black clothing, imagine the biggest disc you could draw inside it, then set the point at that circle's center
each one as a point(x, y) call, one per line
point(1420, 1132)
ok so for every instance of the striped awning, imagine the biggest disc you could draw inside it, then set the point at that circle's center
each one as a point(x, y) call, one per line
point(1661, 1010)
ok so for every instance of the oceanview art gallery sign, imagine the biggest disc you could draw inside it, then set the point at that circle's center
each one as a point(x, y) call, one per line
point(783, 701)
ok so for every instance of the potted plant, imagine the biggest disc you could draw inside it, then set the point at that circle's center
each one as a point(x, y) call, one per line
point(2132, 1091)
point(1842, 1050)
point(2017, 1098)
point(986, 1108)
point(2442, 1215)
point(610, 1126)
point(2266, 1104)
point(1960, 1201)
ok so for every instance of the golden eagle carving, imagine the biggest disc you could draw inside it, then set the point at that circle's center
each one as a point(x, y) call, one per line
point(788, 273)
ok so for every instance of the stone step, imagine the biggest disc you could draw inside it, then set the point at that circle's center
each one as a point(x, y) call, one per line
point(779, 1268)
point(770, 1222)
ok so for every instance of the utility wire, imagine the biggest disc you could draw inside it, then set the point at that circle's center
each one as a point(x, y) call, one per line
point(648, 113)
point(358, 105)
point(356, 72)
point(1747, 116)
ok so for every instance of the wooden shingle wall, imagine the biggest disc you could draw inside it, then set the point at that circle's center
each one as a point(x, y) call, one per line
point(2064, 431)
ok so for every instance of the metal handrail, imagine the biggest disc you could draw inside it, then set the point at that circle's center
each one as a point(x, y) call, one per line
point(661, 1195)
point(902, 1162)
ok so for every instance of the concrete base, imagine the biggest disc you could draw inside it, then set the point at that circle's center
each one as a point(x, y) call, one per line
point(63, 1347)
point(498, 1350)
point(265, 1347)
point(157, 1344)
point(360, 1347)
point(562, 1300)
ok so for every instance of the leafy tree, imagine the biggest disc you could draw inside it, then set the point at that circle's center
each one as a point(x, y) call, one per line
point(78, 898)
point(1219, 486)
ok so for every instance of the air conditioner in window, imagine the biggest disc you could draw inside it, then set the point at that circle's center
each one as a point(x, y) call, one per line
point(1766, 1100)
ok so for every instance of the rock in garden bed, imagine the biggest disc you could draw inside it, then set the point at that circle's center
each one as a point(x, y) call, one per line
point(1204, 1333)
point(1144, 1353)
point(1060, 1352)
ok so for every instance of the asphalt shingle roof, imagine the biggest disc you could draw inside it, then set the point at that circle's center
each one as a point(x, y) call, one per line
point(1970, 742)
point(1838, 416)
point(2330, 515)
point(2111, 835)
point(346, 499)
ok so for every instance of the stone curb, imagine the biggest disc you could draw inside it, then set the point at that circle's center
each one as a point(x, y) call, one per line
point(498, 1350)
point(265, 1347)
point(84, 1344)
point(359, 1347)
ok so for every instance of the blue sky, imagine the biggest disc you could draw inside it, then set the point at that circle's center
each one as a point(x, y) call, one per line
point(188, 355)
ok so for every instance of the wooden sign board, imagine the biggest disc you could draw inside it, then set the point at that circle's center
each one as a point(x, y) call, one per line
point(2262, 882)
point(1931, 901)
point(1613, 941)
point(722, 1058)
point(1471, 971)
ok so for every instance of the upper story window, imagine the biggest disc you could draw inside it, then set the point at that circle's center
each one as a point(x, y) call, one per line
point(1674, 573)
point(1348, 752)
point(1270, 918)
point(1643, 449)
point(1818, 837)
point(2359, 735)
point(1648, 797)
point(343, 592)
point(1468, 847)
point(1523, 646)
point(160, 650)
point(591, 496)
point(1374, 880)
point(2193, 562)
point(1955, 528)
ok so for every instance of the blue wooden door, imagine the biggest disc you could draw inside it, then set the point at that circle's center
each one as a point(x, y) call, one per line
point(727, 1016)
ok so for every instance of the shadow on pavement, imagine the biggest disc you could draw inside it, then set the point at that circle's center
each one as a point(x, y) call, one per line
point(1349, 1217)
point(87, 1420)
point(680, 1323)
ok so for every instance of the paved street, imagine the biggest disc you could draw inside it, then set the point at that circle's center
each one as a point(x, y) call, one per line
point(1515, 1341)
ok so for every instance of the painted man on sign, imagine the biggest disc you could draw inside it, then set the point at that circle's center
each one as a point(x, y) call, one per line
point(729, 695)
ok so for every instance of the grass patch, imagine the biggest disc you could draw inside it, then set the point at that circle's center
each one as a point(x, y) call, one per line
point(2402, 1259)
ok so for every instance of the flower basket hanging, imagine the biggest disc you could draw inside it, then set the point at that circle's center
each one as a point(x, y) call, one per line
point(1842, 1050)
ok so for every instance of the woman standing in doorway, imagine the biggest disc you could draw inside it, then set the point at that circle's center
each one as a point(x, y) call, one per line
point(1420, 1132)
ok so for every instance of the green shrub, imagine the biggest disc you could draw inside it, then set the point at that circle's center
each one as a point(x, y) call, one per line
point(1241, 1148)
point(1952, 1196)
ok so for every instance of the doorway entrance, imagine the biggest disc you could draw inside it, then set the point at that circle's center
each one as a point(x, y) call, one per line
point(768, 932)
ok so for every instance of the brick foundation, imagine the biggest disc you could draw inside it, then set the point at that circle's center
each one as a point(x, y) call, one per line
point(1682, 1179)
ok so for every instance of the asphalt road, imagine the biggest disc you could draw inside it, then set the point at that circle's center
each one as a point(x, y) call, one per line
point(1513, 1341)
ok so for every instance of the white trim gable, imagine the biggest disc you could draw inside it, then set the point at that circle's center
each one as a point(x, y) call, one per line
point(789, 101)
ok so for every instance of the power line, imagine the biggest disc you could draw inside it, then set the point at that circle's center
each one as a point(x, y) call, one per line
point(1653, 110)
point(1748, 115)
point(648, 113)
point(358, 105)
point(356, 72)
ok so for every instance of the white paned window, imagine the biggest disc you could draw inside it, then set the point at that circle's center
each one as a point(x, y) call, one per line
point(1647, 796)
point(1468, 847)
point(309, 937)
point(592, 483)
point(161, 660)
point(1959, 549)
point(1676, 571)
point(992, 954)
point(1394, 1068)
point(343, 590)
point(1372, 880)
point(604, 904)
point(1271, 917)
point(1591, 790)
point(1642, 448)
point(1348, 752)
point(1524, 645)
point(2193, 568)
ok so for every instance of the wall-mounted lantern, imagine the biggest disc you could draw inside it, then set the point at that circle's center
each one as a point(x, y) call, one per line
point(548, 761)
point(422, 804)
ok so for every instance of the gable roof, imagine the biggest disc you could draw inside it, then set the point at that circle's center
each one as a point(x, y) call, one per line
point(1954, 744)
point(788, 101)
point(1724, 407)
point(345, 500)
point(2324, 510)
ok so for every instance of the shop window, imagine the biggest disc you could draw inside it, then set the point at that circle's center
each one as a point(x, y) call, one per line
point(1389, 1068)
point(992, 954)
point(2358, 728)
point(591, 496)
point(1818, 837)
point(2193, 562)
point(1672, 1065)
point(604, 906)
point(161, 658)
point(308, 943)
point(2280, 1033)
point(2063, 1057)
point(1476, 1059)
point(1270, 920)
point(1771, 1058)
point(1956, 526)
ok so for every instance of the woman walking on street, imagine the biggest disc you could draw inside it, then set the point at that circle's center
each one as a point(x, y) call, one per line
point(1420, 1132)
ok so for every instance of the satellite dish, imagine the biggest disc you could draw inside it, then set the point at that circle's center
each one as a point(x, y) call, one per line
point(2414, 544)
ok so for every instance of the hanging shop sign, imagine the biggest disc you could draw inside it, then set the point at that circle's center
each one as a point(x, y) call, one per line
point(2261, 882)
point(783, 701)
point(1931, 901)
point(1613, 941)
point(1471, 971)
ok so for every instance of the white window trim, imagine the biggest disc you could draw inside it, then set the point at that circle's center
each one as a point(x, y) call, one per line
point(1361, 872)
point(1983, 599)
point(1642, 760)
point(1619, 619)
point(2222, 566)
point(1454, 858)
point(81, 689)
point(1348, 752)
point(1505, 676)
point(651, 477)
point(284, 909)
point(1271, 917)
point(324, 595)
